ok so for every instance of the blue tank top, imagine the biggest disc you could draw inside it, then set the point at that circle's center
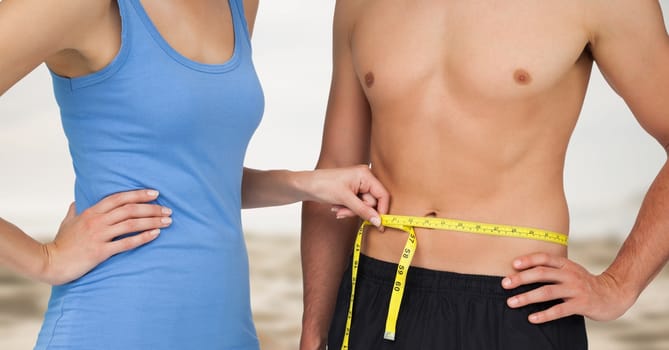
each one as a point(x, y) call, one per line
point(156, 119)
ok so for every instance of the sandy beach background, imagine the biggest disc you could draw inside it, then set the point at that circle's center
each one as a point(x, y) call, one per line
point(276, 289)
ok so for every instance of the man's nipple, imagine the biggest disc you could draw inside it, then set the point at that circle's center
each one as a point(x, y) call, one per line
point(369, 79)
point(522, 77)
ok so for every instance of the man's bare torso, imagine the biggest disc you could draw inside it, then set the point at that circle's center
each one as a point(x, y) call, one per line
point(473, 104)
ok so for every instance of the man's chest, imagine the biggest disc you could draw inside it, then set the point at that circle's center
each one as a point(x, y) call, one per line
point(488, 46)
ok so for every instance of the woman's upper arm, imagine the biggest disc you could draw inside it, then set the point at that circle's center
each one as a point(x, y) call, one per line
point(33, 30)
point(631, 47)
point(346, 131)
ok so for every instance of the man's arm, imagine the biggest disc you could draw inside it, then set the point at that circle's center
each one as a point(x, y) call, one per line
point(326, 241)
point(631, 47)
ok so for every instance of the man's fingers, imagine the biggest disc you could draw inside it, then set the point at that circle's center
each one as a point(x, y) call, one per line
point(538, 259)
point(116, 200)
point(553, 313)
point(539, 295)
point(136, 225)
point(534, 275)
point(131, 242)
point(135, 211)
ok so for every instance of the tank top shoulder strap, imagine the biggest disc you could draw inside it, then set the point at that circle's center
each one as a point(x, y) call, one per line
point(123, 6)
point(239, 18)
point(126, 12)
point(65, 84)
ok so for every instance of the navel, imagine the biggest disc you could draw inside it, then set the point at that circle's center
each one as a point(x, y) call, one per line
point(522, 77)
point(369, 79)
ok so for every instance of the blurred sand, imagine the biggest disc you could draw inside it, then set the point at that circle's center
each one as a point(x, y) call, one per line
point(276, 296)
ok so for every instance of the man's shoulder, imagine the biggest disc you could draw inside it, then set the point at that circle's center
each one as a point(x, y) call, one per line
point(621, 18)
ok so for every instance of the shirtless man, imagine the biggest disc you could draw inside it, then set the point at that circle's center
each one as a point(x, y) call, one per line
point(464, 110)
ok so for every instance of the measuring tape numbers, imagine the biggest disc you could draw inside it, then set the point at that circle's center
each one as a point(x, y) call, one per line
point(407, 224)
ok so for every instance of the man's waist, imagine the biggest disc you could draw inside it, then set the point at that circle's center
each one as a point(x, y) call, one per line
point(486, 249)
point(402, 222)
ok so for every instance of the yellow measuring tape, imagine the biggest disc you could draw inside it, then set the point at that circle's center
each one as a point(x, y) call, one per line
point(407, 224)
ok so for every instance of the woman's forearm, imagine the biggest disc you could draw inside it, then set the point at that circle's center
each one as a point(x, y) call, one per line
point(266, 188)
point(84, 241)
point(354, 188)
point(21, 253)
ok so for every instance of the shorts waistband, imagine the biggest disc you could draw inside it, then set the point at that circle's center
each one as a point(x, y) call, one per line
point(421, 278)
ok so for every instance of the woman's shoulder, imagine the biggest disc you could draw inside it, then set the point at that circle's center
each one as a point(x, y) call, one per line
point(91, 36)
point(34, 31)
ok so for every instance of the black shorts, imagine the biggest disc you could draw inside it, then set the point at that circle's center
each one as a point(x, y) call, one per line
point(445, 310)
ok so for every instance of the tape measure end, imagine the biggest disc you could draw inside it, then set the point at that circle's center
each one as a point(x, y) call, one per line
point(389, 336)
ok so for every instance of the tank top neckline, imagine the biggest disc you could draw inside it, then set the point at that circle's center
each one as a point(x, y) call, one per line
point(228, 65)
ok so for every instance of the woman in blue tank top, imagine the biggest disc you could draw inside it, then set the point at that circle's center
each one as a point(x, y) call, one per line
point(158, 102)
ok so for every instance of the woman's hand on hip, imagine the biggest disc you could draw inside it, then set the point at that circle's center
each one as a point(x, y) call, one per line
point(84, 241)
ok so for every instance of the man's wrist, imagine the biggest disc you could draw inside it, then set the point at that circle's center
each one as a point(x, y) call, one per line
point(314, 337)
point(312, 342)
point(626, 289)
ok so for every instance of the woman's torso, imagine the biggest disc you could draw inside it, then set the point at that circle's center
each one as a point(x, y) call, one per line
point(153, 118)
